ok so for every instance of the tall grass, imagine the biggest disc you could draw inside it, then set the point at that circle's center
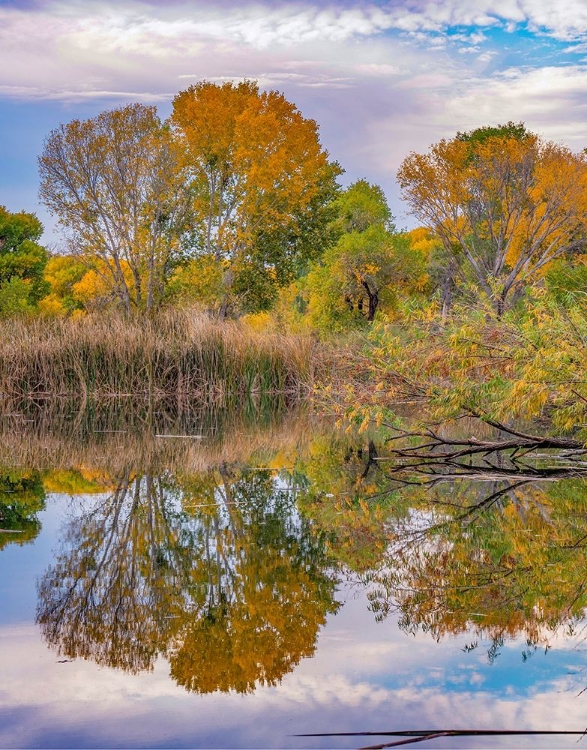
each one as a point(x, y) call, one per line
point(179, 354)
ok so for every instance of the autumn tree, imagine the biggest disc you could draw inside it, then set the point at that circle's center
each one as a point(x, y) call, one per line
point(503, 202)
point(262, 186)
point(22, 261)
point(113, 183)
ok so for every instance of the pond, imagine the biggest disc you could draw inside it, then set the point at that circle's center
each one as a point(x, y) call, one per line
point(237, 578)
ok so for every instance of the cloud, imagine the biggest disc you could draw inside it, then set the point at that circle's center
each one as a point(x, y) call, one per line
point(362, 674)
point(381, 78)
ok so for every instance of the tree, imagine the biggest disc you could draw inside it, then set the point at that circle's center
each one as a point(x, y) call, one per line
point(346, 286)
point(262, 187)
point(22, 261)
point(503, 202)
point(114, 185)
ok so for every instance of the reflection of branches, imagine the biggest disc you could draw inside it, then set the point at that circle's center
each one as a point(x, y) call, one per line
point(475, 537)
point(233, 593)
point(114, 582)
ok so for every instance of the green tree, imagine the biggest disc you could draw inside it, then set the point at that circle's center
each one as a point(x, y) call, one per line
point(22, 261)
point(369, 263)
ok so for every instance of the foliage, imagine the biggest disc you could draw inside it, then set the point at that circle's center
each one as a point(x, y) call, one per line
point(113, 183)
point(22, 261)
point(504, 205)
point(197, 281)
point(261, 186)
point(79, 286)
point(368, 265)
point(521, 366)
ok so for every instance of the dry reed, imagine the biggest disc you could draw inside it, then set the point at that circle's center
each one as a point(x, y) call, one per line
point(180, 354)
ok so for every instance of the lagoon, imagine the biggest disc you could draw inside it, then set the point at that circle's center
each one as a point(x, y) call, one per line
point(273, 577)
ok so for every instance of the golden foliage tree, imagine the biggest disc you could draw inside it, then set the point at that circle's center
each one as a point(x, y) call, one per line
point(503, 202)
point(262, 185)
point(113, 183)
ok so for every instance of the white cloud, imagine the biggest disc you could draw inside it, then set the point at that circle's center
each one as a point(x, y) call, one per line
point(380, 79)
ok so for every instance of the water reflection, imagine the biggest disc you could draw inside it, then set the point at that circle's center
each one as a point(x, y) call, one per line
point(490, 547)
point(22, 497)
point(216, 571)
point(218, 542)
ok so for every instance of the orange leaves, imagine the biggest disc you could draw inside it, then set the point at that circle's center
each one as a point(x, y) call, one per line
point(253, 157)
point(504, 204)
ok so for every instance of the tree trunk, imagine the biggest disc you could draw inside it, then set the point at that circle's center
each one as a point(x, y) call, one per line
point(373, 301)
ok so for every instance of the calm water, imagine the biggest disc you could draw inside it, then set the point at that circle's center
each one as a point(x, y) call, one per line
point(232, 580)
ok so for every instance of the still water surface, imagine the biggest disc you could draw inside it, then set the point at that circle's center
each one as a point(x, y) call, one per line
point(273, 577)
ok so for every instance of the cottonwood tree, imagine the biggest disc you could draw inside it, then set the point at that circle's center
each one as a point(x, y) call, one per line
point(503, 202)
point(262, 186)
point(113, 183)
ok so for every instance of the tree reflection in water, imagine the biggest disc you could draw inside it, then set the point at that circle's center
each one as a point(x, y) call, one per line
point(230, 572)
point(493, 547)
point(22, 496)
point(217, 572)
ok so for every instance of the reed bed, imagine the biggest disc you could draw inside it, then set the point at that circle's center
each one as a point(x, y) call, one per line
point(180, 353)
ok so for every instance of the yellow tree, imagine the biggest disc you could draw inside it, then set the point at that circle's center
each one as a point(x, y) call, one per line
point(113, 183)
point(262, 183)
point(503, 202)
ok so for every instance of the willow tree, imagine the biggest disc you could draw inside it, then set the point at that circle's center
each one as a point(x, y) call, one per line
point(112, 181)
point(503, 202)
point(262, 186)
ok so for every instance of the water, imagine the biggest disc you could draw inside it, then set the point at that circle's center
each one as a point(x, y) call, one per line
point(274, 577)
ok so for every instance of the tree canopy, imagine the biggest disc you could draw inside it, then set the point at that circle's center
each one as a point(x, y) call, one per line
point(503, 202)
point(261, 185)
point(113, 183)
point(22, 261)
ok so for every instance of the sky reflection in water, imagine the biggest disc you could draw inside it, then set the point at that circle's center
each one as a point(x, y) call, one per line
point(210, 575)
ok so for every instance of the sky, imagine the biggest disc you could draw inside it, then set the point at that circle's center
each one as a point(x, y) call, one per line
point(382, 79)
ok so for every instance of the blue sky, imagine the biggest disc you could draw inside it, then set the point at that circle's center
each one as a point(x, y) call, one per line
point(381, 78)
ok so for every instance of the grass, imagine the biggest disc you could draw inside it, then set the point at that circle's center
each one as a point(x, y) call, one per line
point(181, 354)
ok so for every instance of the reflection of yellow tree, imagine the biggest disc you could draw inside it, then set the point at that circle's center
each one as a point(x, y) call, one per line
point(217, 571)
point(500, 562)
